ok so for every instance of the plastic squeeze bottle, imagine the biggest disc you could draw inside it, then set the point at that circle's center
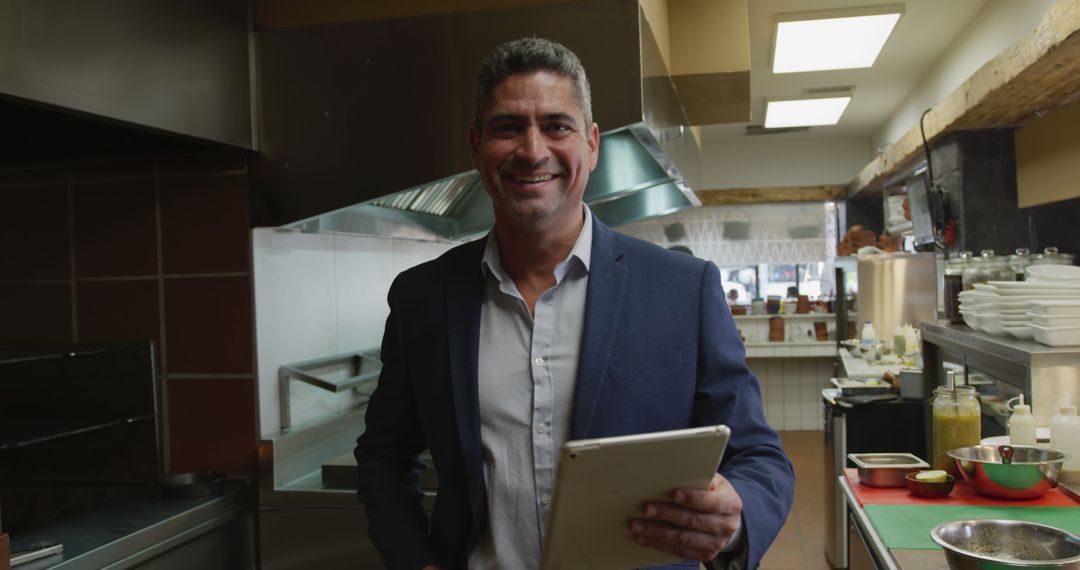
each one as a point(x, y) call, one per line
point(1065, 437)
point(1022, 425)
point(868, 336)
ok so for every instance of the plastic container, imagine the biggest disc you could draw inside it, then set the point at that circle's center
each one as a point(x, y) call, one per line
point(1056, 336)
point(1065, 437)
point(1022, 425)
point(956, 423)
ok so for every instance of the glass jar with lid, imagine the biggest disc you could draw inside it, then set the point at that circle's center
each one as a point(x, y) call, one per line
point(954, 284)
point(987, 267)
point(1019, 262)
point(1051, 256)
point(956, 423)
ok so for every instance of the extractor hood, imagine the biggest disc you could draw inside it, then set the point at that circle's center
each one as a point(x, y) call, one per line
point(363, 123)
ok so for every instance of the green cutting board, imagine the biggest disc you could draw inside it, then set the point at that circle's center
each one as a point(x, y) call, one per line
point(908, 526)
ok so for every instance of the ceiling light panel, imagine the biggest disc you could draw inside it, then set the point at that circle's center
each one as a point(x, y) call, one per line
point(843, 39)
point(805, 112)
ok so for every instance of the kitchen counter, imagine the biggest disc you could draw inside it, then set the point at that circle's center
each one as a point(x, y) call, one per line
point(135, 531)
point(895, 526)
point(855, 367)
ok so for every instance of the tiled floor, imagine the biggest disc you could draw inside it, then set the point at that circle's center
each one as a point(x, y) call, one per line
point(801, 543)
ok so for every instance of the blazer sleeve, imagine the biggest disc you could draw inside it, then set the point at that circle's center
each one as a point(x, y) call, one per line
point(728, 393)
point(387, 455)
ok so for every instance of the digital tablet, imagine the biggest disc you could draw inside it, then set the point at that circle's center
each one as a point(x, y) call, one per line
point(602, 483)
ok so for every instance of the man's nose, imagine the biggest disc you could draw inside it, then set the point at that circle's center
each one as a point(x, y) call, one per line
point(533, 148)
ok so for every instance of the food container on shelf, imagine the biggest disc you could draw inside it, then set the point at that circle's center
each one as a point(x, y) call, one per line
point(1056, 336)
point(1051, 256)
point(977, 544)
point(987, 267)
point(1013, 472)
point(1055, 306)
point(1054, 320)
point(886, 469)
point(1019, 262)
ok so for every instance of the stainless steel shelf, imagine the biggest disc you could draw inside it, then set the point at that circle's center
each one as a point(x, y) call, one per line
point(1045, 374)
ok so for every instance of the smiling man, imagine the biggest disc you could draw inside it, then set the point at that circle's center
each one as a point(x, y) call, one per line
point(555, 328)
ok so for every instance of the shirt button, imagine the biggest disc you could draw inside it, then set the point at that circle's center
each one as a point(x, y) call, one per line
point(538, 361)
point(542, 428)
point(545, 499)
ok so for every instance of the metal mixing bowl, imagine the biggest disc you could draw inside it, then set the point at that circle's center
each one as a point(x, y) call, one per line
point(1031, 473)
point(984, 544)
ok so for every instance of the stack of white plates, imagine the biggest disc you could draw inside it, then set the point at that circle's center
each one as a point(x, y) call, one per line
point(1003, 307)
point(1056, 323)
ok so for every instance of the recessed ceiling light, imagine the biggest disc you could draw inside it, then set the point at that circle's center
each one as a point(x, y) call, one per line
point(805, 112)
point(832, 39)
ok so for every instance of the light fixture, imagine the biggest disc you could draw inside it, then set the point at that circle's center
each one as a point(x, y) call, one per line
point(805, 112)
point(832, 39)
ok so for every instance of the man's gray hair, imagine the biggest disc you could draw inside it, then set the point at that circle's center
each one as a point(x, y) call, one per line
point(527, 55)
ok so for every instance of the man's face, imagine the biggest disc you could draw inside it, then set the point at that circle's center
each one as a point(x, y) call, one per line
point(535, 151)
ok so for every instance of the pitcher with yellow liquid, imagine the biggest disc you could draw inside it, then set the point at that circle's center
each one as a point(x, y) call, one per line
point(956, 424)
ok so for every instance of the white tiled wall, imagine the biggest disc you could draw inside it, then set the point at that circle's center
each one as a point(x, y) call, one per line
point(318, 295)
point(791, 390)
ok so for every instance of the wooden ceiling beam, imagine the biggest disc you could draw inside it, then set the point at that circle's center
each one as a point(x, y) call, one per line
point(771, 195)
point(1030, 78)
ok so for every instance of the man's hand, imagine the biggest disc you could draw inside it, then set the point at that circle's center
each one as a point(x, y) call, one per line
point(696, 525)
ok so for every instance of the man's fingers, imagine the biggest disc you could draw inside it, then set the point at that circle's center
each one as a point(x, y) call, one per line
point(710, 523)
point(682, 542)
point(681, 552)
point(719, 498)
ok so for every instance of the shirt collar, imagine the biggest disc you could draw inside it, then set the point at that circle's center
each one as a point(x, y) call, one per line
point(582, 252)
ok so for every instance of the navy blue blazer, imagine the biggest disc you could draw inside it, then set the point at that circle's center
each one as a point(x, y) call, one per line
point(659, 351)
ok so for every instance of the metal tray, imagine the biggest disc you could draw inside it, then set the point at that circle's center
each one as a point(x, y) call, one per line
point(858, 386)
point(885, 469)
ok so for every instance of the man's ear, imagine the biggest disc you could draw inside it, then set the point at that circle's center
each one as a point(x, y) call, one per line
point(474, 144)
point(594, 145)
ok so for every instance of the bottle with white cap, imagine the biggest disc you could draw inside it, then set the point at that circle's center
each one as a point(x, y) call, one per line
point(1065, 437)
point(1022, 424)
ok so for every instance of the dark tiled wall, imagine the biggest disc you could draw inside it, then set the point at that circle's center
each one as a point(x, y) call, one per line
point(144, 249)
point(977, 169)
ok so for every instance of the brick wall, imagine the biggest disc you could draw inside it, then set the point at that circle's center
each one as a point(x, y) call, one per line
point(144, 249)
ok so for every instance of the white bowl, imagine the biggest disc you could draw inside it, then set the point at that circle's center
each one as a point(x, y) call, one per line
point(970, 319)
point(1051, 273)
point(1056, 306)
point(1056, 336)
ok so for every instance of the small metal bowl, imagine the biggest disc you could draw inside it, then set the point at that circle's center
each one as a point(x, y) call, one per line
point(978, 544)
point(930, 489)
point(1012, 472)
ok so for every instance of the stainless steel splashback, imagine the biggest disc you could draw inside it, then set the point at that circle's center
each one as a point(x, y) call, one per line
point(896, 289)
point(363, 116)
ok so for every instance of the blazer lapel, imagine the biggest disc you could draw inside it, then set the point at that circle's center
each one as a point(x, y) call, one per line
point(603, 305)
point(464, 294)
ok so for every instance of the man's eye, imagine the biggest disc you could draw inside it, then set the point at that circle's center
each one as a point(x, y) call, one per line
point(505, 128)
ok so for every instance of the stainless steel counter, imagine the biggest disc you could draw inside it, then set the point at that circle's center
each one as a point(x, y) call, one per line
point(295, 507)
point(169, 532)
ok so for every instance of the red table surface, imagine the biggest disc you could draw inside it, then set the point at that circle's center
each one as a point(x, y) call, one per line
point(961, 495)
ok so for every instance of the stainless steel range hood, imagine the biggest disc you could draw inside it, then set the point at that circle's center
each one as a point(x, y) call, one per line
point(364, 123)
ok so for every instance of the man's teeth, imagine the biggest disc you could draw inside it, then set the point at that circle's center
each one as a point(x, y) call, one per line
point(544, 178)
